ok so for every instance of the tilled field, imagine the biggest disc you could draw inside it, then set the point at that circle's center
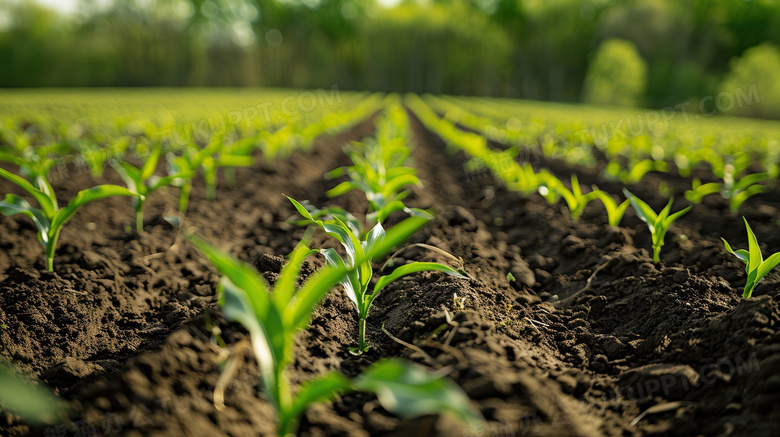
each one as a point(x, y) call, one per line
point(590, 338)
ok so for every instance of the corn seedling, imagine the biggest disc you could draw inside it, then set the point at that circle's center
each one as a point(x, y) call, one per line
point(385, 193)
point(34, 163)
point(737, 191)
point(378, 170)
point(658, 224)
point(636, 170)
point(698, 190)
point(615, 211)
point(273, 318)
point(142, 182)
point(226, 156)
point(755, 264)
point(360, 272)
point(575, 200)
point(187, 163)
point(50, 218)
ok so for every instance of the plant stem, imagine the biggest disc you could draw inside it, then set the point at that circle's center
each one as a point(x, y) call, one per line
point(211, 191)
point(656, 254)
point(50, 248)
point(362, 334)
point(139, 216)
point(184, 197)
point(288, 424)
point(230, 176)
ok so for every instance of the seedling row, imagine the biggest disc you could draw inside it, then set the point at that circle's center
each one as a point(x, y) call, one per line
point(382, 173)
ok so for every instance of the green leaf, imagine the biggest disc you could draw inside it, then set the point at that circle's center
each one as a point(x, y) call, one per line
point(397, 235)
point(311, 293)
point(44, 201)
point(284, 289)
point(34, 404)
point(750, 180)
point(343, 188)
point(408, 390)
point(151, 164)
point(417, 212)
point(385, 211)
point(414, 268)
point(336, 172)
point(351, 286)
point(737, 200)
point(755, 251)
point(13, 159)
point(661, 217)
point(321, 282)
point(396, 184)
point(643, 210)
point(343, 233)
point(14, 204)
point(235, 161)
point(174, 180)
point(316, 390)
point(85, 196)
point(250, 282)
point(408, 269)
point(615, 212)
point(241, 274)
point(576, 190)
point(301, 209)
point(374, 237)
point(237, 307)
point(130, 175)
point(768, 265)
point(742, 254)
point(672, 218)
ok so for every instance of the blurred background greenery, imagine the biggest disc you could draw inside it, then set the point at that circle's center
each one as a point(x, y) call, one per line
point(651, 53)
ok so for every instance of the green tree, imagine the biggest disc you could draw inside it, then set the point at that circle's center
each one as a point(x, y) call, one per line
point(616, 76)
point(759, 66)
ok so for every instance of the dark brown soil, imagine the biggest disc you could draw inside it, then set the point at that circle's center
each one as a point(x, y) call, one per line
point(123, 329)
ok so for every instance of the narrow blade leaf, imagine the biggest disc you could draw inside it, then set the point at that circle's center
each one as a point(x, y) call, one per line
point(408, 390)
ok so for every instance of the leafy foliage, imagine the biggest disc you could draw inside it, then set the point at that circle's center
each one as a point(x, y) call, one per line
point(273, 318)
point(755, 264)
point(358, 263)
point(658, 224)
point(49, 218)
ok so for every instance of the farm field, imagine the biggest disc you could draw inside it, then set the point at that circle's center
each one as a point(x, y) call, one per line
point(546, 311)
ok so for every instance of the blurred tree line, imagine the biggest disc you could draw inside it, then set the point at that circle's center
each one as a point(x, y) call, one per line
point(537, 49)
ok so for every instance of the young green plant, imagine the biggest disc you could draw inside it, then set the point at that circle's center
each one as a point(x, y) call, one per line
point(50, 218)
point(637, 169)
point(615, 211)
point(575, 200)
point(273, 318)
point(358, 265)
point(755, 264)
point(142, 182)
point(698, 190)
point(378, 169)
point(737, 191)
point(658, 224)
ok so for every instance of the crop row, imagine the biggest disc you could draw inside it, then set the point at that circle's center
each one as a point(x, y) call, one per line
point(272, 315)
point(741, 163)
point(525, 180)
point(381, 172)
point(380, 169)
point(224, 151)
